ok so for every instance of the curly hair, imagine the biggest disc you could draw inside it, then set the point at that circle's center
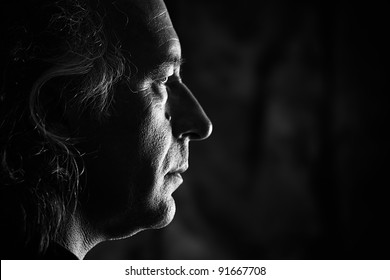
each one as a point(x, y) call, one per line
point(54, 55)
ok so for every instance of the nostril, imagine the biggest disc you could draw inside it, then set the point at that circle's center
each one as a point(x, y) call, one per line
point(192, 136)
point(200, 131)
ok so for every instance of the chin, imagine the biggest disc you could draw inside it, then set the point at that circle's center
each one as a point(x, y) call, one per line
point(164, 215)
point(157, 217)
point(149, 218)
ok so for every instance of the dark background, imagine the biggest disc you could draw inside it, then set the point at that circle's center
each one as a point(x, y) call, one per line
point(297, 165)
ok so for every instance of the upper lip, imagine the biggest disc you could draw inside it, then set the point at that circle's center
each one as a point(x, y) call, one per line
point(180, 169)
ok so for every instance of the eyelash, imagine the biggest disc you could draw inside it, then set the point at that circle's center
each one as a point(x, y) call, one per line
point(161, 86)
point(168, 79)
point(163, 81)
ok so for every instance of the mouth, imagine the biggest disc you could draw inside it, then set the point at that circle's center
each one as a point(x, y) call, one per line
point(179, 170)
point(175, 174)
point(174, 179)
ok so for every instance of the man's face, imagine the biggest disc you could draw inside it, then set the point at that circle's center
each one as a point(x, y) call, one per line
point(134, 159)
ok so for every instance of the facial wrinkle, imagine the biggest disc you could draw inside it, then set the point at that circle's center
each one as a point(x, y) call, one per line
point(156, 17)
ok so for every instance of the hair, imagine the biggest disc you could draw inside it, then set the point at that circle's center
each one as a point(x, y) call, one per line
point(54, 55)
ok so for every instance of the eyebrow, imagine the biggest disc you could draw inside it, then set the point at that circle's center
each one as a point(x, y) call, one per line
point(170, 61)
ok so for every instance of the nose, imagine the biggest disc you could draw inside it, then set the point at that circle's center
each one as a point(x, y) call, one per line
point(188, 117)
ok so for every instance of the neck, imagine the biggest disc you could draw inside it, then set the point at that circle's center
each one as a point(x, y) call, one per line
point(76, 238)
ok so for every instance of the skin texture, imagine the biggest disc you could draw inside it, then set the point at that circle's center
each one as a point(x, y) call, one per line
point(134, 158)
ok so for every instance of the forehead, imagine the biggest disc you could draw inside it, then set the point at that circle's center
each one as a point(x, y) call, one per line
point(144, 30)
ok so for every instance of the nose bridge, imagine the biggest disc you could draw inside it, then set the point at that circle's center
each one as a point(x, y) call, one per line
point(188, 117)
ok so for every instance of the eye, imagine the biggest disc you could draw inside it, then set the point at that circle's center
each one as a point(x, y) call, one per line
point(163, 81)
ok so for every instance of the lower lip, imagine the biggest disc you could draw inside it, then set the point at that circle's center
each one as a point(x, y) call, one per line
point(176, 177)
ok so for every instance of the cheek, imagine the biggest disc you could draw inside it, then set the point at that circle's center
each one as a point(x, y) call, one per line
point(155, 142)
point(126, 175)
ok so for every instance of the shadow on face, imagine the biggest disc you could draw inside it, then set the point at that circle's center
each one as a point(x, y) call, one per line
point(134, 159)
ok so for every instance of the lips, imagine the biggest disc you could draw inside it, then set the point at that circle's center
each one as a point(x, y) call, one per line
point(181, 169)
point(174, 179)
point(175, 174)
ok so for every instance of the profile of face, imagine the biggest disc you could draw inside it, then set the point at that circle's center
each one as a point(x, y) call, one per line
point(134, 159)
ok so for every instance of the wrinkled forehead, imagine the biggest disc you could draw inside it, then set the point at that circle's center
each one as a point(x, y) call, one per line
point(141, 20)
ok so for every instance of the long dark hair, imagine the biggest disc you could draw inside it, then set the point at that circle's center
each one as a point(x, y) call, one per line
point(54, 54)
